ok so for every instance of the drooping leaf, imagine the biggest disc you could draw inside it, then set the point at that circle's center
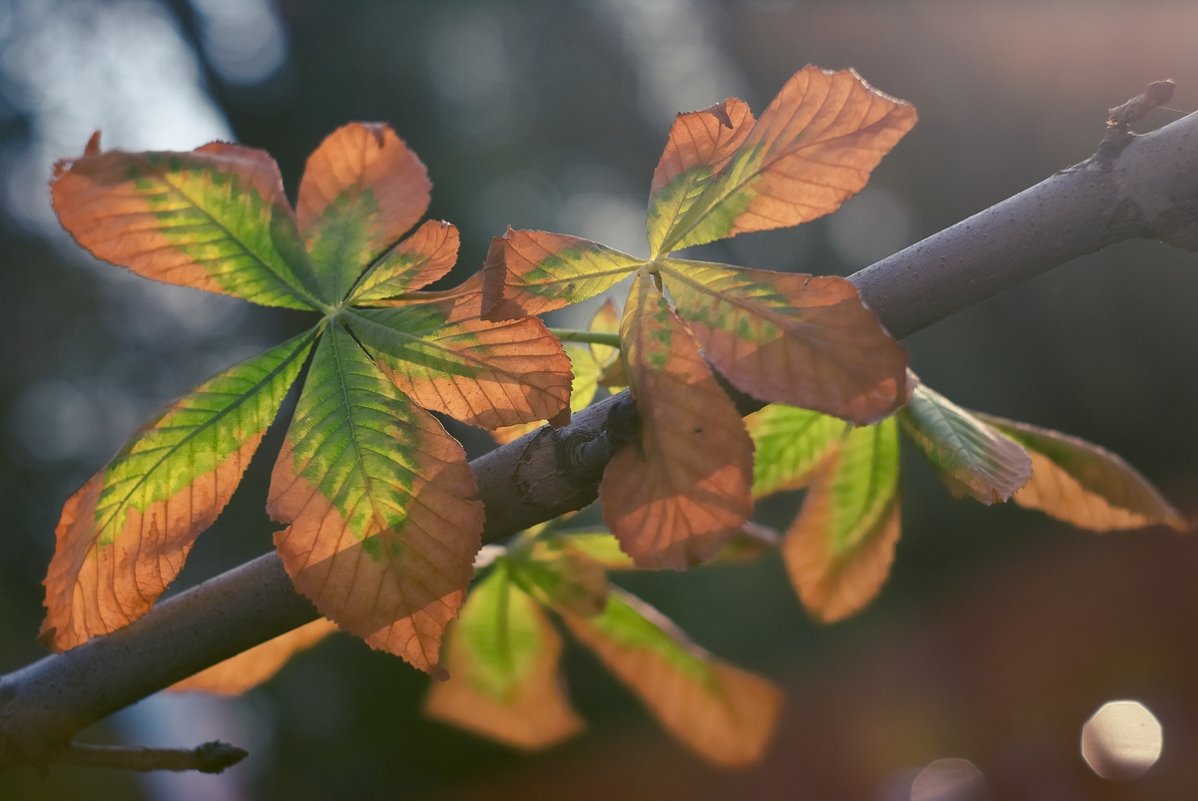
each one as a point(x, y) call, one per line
point(839, 549)
point(582, 391)
point(362, 190)
point(248, 669)
point(533, 272)
point(605, 321)
point(483, 373)
point(380, 501)
point(722, 712)
point(788, 444)
point(503, 656)
point(124, 536)
point(813, 148)
point(699, 145)
point(791, 338)
point(428, 254)
point(601, 547)
point(560, 575)
point(677, 495)
point(214, 219)
point(1084, 484)
point(980, 460)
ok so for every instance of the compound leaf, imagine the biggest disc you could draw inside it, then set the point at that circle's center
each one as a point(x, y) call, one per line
point(677, 495)
point(722, 712)
point(978, 460)
point(503, 655)
point(699, 145)
point(1084, 484)
point(791, 338)
point(813, 148)
point(214, 219)
point(428, 254)
point(384, 524)
point(839, 549)
point(123, 537)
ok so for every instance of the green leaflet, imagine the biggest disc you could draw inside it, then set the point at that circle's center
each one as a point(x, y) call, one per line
point(980, 460)
point(198, 434)
point(340, 242)
point(863, 484)
point(402, 336)
point(789, 444)
point(498, 626)
point(712, 214)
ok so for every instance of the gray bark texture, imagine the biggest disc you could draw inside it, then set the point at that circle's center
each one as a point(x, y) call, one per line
point(1134, 186)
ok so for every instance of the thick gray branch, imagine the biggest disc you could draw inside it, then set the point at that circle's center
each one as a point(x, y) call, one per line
point(1134, 187)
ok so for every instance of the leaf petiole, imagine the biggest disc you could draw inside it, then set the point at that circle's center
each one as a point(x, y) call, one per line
point(611, 339)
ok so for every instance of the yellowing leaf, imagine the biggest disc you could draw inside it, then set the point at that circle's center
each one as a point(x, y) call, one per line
point(483, 373)
point(362, 190)
point(605, 321)
point(1085, 485)
point(428, 254)
point(978, 459)
point(813, 148)
point(582, 391)
point(532, 272)
point(248, 669)
point(215, 219)
point(560, 575)
point(675, 497)
point(503, 656)
point(384, 521)
point(699, 145)
point(722, 712)
point(124, 536)
point(839, 549)
point(791, 338)
point(788, 444)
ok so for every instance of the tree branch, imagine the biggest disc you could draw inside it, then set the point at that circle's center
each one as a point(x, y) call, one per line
point(1135, 186)
point(211, 757)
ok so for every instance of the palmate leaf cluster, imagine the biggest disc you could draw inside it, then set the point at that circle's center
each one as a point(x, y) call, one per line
point(379, 506)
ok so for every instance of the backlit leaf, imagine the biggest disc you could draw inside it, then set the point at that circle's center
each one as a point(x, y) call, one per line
point(384, 524)
point(215, 219)
point(839, 549)
point(428, 254)
point(791, 338)
point(1084, 484)
point(124, 536)
point(502, 655)
point(560, 575)
point(483, 373)
point(699, 145)
point(789, 443)
point(582, 391)
point(813, 148)
point(678, 494)
point(601, 547)
point(250, 668)
point(722, 712)
point(605, 321)
point(362, 190)
point(533, 272)
point(980, 460)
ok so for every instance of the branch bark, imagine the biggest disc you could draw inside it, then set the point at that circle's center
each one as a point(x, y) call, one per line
point(1134, 186)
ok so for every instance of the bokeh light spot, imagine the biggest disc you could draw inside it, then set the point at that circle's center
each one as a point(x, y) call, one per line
point(950, 780)
point(1122, 740)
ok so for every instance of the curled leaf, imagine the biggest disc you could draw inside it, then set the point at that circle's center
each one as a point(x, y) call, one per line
point(979, 460)
point(1084, 484)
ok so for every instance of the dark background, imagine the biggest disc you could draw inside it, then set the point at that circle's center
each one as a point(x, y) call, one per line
point(999, 632)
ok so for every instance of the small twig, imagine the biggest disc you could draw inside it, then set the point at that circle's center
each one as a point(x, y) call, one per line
point(612, 340)
point(211, 757)
point(1157, 94)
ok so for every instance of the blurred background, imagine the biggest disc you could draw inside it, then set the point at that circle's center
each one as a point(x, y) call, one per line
point(999, 633)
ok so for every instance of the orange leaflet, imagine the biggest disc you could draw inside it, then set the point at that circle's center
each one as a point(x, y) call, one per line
point(699, 145)
point(381, 502)
point(803, 340)
point(215, 219)
point(362, 189)
point(428, 254)
point(250, 668)
point(677, 498)
point(724, 713)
